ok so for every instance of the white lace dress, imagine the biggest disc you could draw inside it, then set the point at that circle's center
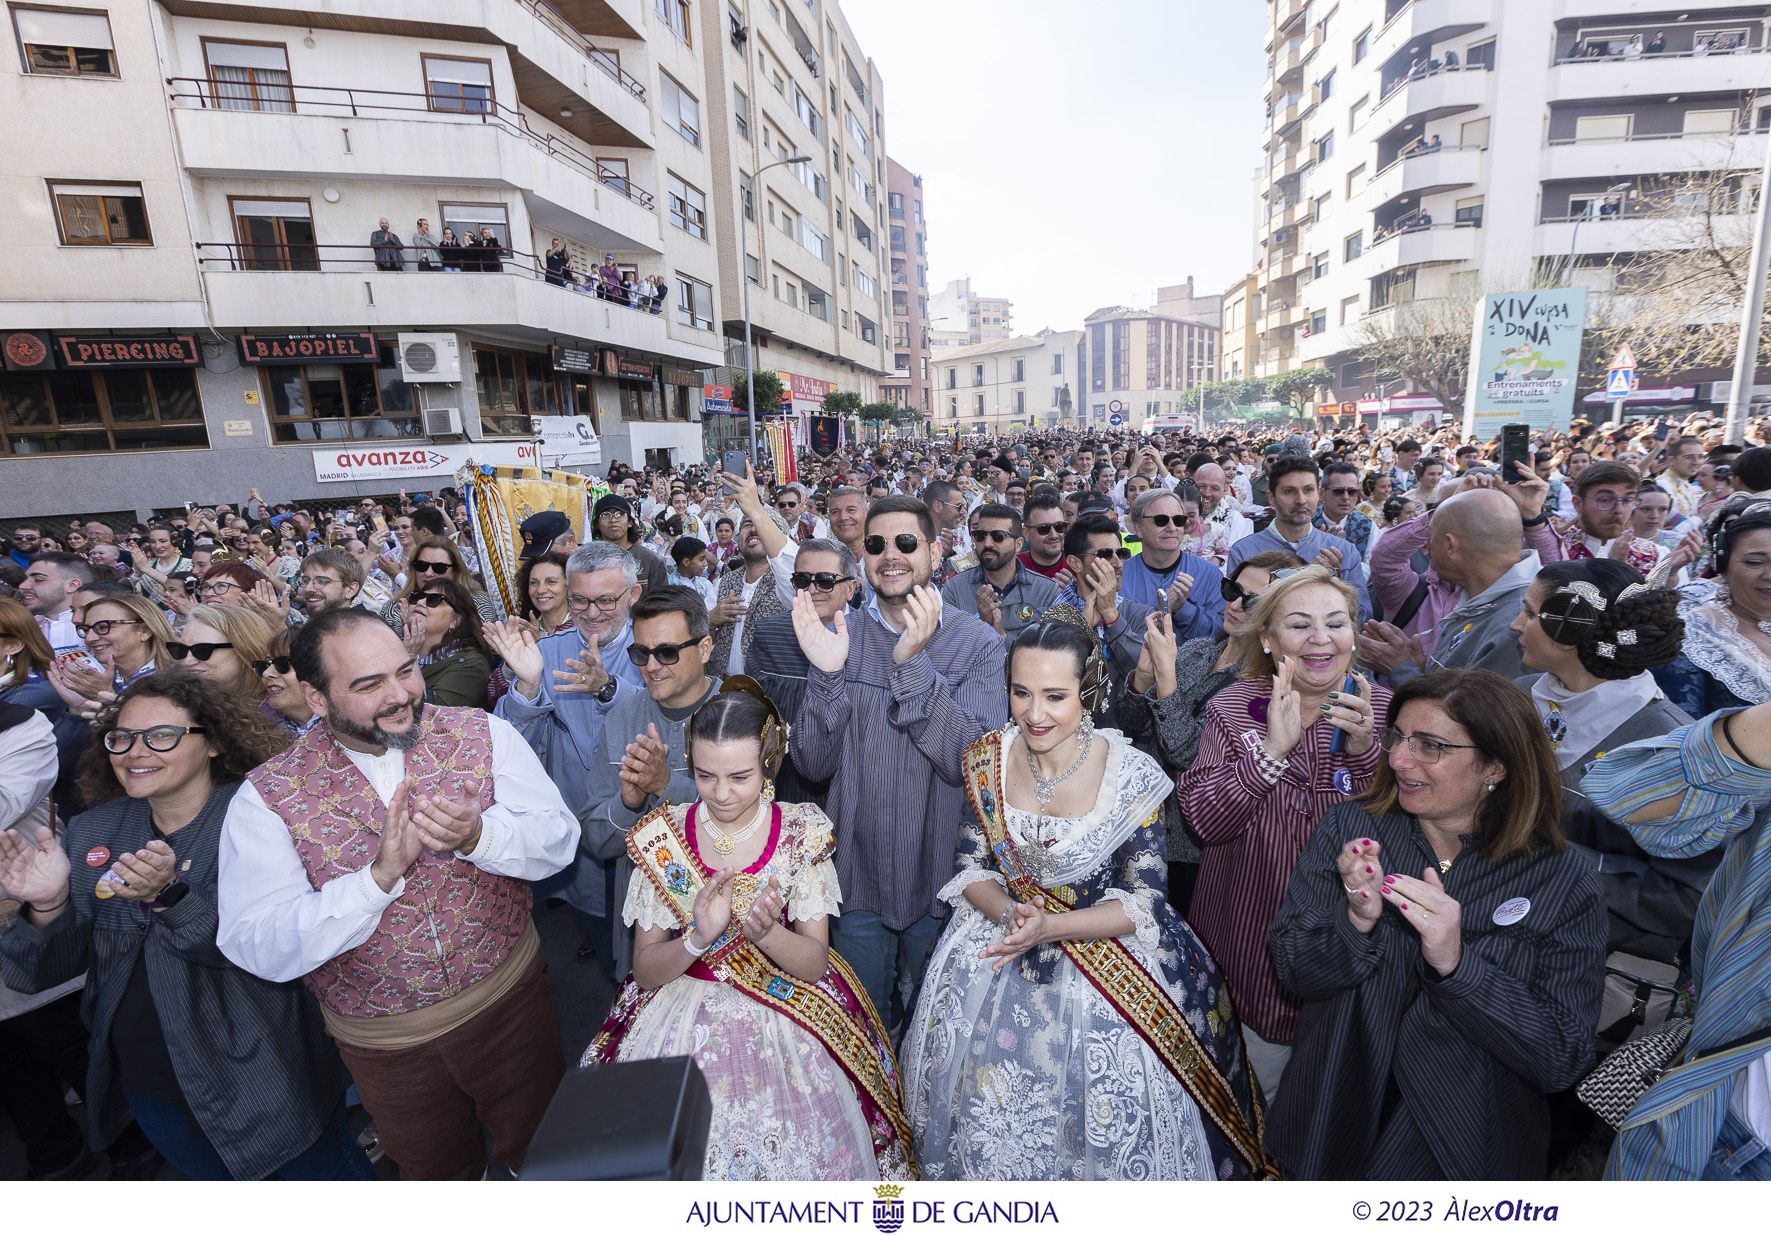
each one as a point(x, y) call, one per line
point(783, 1109)
point(1030, 1073)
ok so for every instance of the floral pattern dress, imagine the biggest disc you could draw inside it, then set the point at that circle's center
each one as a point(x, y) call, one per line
point(783, 1108)
point(1030, 1073)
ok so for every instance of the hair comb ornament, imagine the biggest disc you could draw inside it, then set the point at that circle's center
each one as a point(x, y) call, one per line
point(775, 729)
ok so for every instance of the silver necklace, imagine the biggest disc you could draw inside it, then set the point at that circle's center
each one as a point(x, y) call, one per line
point(1043, 789)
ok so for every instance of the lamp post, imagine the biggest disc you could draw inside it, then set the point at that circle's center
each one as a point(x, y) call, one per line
point(744, 281)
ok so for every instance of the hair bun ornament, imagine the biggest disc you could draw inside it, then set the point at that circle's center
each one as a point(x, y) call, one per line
point(1095, 682)
point(776, 731)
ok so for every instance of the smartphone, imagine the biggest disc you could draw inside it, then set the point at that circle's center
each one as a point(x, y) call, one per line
point(190, 585)
point(340, 514)
point(733, 461)
point(1515, 447)
point(1349, 687)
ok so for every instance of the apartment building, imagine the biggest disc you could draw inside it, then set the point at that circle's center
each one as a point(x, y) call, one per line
point(962, 318)
point(806, 240)
point(909, 384)
point(1141, 363)
point(194, 279)
point(1242, 334)
point(1008, 385)
point(1437, 149)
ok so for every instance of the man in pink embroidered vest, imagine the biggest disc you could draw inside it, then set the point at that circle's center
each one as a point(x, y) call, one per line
point(384, 859)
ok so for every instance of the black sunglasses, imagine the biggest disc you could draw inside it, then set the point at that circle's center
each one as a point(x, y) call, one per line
point(431, 600)
point(1179, 521)
point(432, 568)
point(905, 541)
point(663, 653)
point(824, 581)
point(994, 535)
point(1107, 555)
point(1233, 591)
point(281, 664)
point(202, 651)
point(1046, 529)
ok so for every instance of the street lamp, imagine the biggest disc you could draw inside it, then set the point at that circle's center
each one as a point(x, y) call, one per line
point(744, 278)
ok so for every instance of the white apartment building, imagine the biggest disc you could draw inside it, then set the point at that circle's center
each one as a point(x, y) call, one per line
point(1008, 385)
point(193, 285)
point(1140, 364)
point(1441, 148)
point(787, 78)
point(961, 317)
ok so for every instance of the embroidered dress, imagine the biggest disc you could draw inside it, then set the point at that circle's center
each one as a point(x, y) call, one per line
point(1717, 667)
point(784, 1106)
point(1032, 1072)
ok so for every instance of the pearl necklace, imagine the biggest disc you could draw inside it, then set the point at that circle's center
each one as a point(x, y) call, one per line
point(725, 842)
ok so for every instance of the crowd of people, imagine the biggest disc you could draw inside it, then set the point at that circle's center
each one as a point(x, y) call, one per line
point(1322, 804)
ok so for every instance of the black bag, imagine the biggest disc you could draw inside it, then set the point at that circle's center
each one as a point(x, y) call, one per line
point(646, 1119)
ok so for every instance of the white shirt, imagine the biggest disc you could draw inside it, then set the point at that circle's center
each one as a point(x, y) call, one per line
point(1751, 1103)
point(781, 567)
point(28, 765)
point(276, 924)
point(1231, 518)
point(60, 632)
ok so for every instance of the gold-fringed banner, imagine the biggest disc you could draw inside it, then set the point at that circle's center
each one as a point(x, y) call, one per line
point(500, 498)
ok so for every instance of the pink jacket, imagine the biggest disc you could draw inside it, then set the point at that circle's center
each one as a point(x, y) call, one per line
point(1394, 578)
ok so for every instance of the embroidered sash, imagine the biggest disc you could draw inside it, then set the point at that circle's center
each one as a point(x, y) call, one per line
point(834, 1010)
point(1112, 970)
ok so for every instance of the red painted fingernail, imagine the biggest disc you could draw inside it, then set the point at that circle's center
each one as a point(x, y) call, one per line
point(1389, 879)
point(1404, 904)
point(1368, 870)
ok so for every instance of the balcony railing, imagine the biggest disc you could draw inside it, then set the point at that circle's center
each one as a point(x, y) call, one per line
point(1415, 152)
point(1415, 229)
point(1741, 130)
point(1601, 56)
point(608, 61)
point(1413, 76)
point(209, 93)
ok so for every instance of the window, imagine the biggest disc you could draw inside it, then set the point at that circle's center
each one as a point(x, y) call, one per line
point(613, 172)
point(1318, 206)
point(817, 302)
point(1020, 369)
point(89, 213)
point(952, 378)
point(513, 386)
point(1020, 402)
point(1354, 179)
point(741, 112)
point(1349, 309)
point(1356, 113)
point(859, 133)
point(463, 217)
point(249, 76)
point(814, 241)
point(786, 220)
point(895, 203)
point(807, 113)
point(675, 16)
point(694, 302)
point(753, 269)
point(747, 194)
point(1603, 128)
point(338, 402)
point(812, 179)
point(1480, 56)
point(1352, 246)
point(863, 233)
point(1057, 363)
point(688, 206)
point(1469, 212)
point(1318, 321)
point(1474, 134)
point(898, 239)
point(275, 233)
point(980, 404)
point(65, 43)
point(1325, 87)
point(74, 411)
point(1324, 147)
point(679, 109)
point(1722, 121)
point(1362, 45)
point(455, 84)
point(865, 283)
point(865, 327)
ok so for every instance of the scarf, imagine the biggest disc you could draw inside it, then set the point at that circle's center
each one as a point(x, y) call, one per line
point(1577, 721)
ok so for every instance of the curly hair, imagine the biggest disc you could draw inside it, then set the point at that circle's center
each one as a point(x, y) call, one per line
point(242, 736)
point(528, 568)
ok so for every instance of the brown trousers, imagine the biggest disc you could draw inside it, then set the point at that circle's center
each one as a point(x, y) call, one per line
point(498, 1071)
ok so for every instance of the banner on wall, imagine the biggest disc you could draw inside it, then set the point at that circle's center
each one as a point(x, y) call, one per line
point(337, 464)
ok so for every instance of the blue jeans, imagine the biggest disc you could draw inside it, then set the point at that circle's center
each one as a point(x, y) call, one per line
point(890, 963)
point(334, 1155)
point(1738, 1153)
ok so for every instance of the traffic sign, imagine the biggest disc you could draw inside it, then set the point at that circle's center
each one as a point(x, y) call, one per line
point(1116, 419)
point(1620, 383)
point(1624, 359)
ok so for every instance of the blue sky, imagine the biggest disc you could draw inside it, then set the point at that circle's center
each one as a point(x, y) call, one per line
point(1075, 153)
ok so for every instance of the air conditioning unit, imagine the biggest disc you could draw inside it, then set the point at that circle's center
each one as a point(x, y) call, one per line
point(442, 422)
point(430, 358)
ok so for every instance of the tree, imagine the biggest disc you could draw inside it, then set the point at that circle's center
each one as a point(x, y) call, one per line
point(1425, 343)
point(769, 390)
point(1296, 387)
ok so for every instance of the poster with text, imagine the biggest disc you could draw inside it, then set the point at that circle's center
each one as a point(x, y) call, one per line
point(1524, 360)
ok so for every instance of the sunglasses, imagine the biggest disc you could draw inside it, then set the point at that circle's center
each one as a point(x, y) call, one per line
point(905, 542)
point(282, 664)
point(101, 629)
point(1179, 521)
point(432, 568)
point(431, 600)
point(994, 535)
point(1107, 555)
point(1046, 529)
point(663, 653)
point(824, 580)
point(1233, 591)
point(159, 738)
point(202, 651)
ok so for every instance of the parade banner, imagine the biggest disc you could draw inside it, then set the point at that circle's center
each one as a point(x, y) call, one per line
point(1524, 360)
point(826, 435)
point(780, 437)
point(498, 500)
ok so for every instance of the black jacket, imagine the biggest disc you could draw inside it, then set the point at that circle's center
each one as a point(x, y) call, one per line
point(1397, 1073)
point(252, 1057)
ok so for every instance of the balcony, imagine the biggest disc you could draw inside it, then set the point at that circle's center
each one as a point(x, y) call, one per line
point(343, 132)
point(1420, 246)
point(1662, 74)
point(1295, 110)
point(1416, 175)
point(1673, 154)
point(1561, 237)
point(1415, 101)
point(1421, 25)
point(347, 288)
point(1285, 215)
point(1283, 316)
point(1285, 12)
point(557, 65)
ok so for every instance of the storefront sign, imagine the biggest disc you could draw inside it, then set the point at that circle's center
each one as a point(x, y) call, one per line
point(356, 463)
point(1525, 359)
point(26, 350)
point(348, 347)
point(575, 360)
point(121, 351)
point(567, 440)
point(634, 371)
point(716, 400)
point(808, 390)
point(681, 377)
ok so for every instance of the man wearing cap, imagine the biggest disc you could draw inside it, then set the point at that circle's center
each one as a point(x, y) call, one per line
point(614, 522)
point(546, 531)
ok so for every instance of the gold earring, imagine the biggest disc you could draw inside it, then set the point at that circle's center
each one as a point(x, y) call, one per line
point(768, 793)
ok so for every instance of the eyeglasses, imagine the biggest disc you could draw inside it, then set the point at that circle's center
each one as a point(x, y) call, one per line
point(432, 568)
point(1047, 529)
point(219, 587)
point(159, 738)
point(1180, 521)
point(318, 580)
point(1423, 748)
point(281, 664)
point(1107, 555)
point(431, 600)
point(824, 580)
point(202, 651)
point(993, 535)
point(663, 653)
point(101, 629)
point(1355, 491)
point(604, 604)
point(1610, 501)
point(905, 542)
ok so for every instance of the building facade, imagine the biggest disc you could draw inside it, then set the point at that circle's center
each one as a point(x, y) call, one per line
point(962, 318)
point(1008, 385)
point(1242, 336)
point(909, 384)
point(1140, 364)
point(1435, 150)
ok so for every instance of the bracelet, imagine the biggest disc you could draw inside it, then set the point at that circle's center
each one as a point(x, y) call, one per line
point(62, 903)
point(1008, 916)
point(1728, 732)
point(689, 943)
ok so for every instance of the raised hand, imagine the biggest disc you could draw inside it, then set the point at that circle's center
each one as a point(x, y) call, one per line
point(713, 908)
point(1528, 490)
point(400, 843)
point(1362, 879)
point(1353, 715)
point(1159, 645)
point(1688, 550)
point(145, 873)
point(727, 610)
point(1179, 588)
point(447, 825)
point(1435, 917)
point(415, 635)
point(581, 676)
point(1285, 724)
point(514, 642)
point(826, 649)
point(33, 874)
point(1028, 927)
point(1383, 646)
point(263, 598)
point(922, 614)
point(765, 912)
point(1620, 548)
point(1330, 557)
point(645, 768)
point(1101, 606)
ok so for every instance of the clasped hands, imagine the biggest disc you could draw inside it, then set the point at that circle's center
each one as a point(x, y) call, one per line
point(1423, 903)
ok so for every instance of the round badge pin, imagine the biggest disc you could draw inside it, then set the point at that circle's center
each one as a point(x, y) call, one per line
point(1511, 911)
point(1343, 782)
point(98, 855)
point(1257, 710)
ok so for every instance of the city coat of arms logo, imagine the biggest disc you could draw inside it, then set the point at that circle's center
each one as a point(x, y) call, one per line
point(888, 1208)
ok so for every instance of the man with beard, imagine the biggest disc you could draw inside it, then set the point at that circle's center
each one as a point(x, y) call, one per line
point(384, 859)
point(48, 589)
point(560, 696)
point(999, 591)
point(891, 704)
point(330, 579)
point(1295, 488)
point(1604, 499)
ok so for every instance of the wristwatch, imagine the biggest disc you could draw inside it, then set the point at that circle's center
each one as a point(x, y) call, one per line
point(607, 693)
point(1538, 520)
point(169, 896)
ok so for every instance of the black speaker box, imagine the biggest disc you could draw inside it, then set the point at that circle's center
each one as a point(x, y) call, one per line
point(646, 1119)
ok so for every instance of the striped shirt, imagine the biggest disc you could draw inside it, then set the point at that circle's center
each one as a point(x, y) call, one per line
point(1672, 1131)
point(1253, 832)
